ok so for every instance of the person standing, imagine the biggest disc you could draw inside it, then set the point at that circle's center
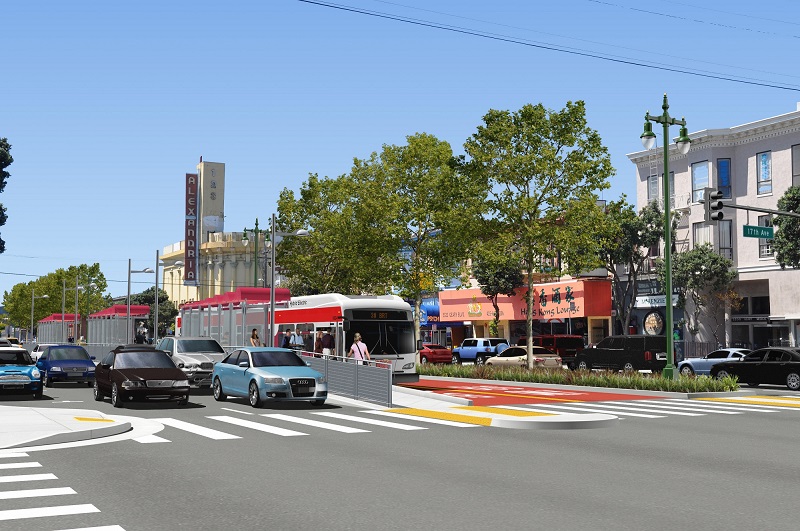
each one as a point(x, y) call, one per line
point(358, 350)
point(318, 343)
point(287, 338)
point(296, 342)
point(327, 343)
point(255, 341)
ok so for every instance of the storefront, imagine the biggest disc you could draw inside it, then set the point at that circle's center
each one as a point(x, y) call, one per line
point(430, 330)
point(576, 306)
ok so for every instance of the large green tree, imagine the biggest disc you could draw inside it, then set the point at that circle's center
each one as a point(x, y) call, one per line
point(90, 280)
point(787, 238)
point(626, 240)
point(166, 309)
point(543, 169)
point(497, 269)
point(5, 162)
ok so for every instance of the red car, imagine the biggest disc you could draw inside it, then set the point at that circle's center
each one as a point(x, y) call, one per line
point(434, 353)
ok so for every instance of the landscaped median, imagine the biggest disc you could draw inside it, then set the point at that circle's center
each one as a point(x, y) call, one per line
point(616, 380)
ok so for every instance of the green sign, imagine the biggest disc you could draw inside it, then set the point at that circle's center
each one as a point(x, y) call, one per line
point(751, 231)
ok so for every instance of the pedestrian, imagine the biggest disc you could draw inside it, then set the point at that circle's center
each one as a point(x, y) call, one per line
point(318, 343)
point(296, 341)
point(254, 339)
point(327, 343)
point(358, 350)
point(287, 338)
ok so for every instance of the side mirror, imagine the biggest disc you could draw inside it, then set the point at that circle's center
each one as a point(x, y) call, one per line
point(92, 358)
point(419, 344)
point(244, 364)
point(308, 363)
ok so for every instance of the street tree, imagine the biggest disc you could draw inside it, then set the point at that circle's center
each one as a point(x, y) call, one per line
point(626, 240)
point(166, 309)
point(542, 169)
point(497, 269)
point(699, 276)
point(5, 162)
point(787, 238)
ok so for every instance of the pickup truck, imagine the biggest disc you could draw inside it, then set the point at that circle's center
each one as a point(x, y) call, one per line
point(479, 349)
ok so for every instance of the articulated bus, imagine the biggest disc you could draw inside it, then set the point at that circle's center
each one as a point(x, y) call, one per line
point(385, 323)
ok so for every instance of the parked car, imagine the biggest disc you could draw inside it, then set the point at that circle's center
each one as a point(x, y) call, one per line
point(434, 353)
point(626, 353)
point(195, 356)
point(14, 341)
point(770, 365)
point(66, 363)
point(18, 372)
point(703, 365)
point(518, 357)
point(267, 373)
point(565, 345)
point(139, 371)
point(479, 349)
point(37, 350)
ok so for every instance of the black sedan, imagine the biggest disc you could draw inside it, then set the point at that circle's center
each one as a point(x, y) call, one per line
point(139, 371)
point(771, 365)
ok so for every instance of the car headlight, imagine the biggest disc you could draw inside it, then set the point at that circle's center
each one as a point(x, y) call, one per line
point(180, 383)
point(273, 380)
point(409, 365)
point(55, 369)
point(90, 369)
point(321, 379)
point(192, 366)
point(36, 374)
point(128, 384)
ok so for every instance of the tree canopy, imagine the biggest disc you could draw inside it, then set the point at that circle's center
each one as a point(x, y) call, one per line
point(5, 162)
point(166, 309)
point(787, 238)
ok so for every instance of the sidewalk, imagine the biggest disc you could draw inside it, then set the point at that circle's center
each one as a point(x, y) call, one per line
point(21, 426)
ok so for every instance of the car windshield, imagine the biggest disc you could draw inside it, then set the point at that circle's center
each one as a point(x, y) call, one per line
point(75, 353)
point(143, 360)
point(15, 357)
point(199, 345)
point(277, 359)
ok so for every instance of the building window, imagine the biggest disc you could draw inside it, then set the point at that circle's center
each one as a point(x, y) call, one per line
point(764, 173)
point(652, 188)
point(743, 308)
point(726, 238)
point(796, 165)
point(724, 177)
point(760, 305)
point(699, 180)
point(765, 244)
point(701, 233)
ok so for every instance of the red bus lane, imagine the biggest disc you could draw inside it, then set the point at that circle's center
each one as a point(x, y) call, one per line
point(483, 394)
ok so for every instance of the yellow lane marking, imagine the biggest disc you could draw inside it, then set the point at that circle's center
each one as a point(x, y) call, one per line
point(92, 419)
point(786, 398)
point(506, 411)
point(753, 401)
point(466, 419)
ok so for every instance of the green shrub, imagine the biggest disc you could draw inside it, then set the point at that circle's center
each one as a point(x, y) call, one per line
point(616, 380)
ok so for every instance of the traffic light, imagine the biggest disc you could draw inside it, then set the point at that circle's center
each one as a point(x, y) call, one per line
point(713, 205)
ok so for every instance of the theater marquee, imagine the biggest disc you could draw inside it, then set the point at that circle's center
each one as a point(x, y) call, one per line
point(190, 246)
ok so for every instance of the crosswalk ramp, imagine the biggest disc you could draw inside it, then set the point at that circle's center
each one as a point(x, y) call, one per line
point(27, 493)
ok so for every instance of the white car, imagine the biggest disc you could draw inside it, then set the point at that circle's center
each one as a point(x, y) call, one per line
point(38, 349)
point(703, 365)
point(195, 356)
point(518, 357)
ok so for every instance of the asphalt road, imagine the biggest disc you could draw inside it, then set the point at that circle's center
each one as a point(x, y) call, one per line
point(711, 472)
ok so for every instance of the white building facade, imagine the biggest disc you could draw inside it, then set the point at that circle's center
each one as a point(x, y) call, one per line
point(752, 165)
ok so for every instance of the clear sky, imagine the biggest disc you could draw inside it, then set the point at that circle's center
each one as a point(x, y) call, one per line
point(108, 104)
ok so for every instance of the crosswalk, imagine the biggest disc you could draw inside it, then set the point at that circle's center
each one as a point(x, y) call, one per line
point(21, 499)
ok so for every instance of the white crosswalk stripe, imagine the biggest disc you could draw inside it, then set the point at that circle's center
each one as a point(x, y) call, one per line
point(9, 466)
point(35, 493)
point(579, 408)
point(720, 406)
point(12, 455)
point(314, 423)
point(27, 477)
point(151, 439)
point(40, 512)
point(257, 426)
point(374, 422)
point(421, 419)
point(645, 409)
point(198, 430)
point(98, 528)
point(696, 411)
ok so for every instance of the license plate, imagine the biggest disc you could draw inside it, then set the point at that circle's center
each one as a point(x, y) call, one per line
point(74, 374)
point(13, 386)
point(304, 390)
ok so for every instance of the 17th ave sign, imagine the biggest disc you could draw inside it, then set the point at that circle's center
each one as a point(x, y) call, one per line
point(751, 231)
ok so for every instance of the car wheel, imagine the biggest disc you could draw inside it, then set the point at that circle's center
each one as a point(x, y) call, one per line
point(793, 381)
point(98, 394)
point(479, 360)
point(583, 365)
point(219, 395)
point(116, 399)
point(722, 374)
point(318, 402)
point(89, 384)
point(48, 381)
point(456, 359)
point(423, 360)
point(38, 393)
point(183, 401)
point(686, 370)
point(255, 398)
point(752, 384)
point(628, 366)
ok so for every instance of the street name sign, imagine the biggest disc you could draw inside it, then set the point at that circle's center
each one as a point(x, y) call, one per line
point(751, 231)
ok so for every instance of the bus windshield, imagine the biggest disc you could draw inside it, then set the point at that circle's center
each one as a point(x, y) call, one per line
point(383, 337)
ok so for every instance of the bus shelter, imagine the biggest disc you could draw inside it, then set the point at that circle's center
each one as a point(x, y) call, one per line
point(112, 326)
point(231, 317)
point(56, 328)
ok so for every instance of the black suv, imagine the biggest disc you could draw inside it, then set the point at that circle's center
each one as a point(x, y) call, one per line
point(626, 353)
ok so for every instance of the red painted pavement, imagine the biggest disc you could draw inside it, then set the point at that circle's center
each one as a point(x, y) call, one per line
point(483, 394)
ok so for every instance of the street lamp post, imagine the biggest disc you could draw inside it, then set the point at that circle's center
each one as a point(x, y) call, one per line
point(33, 300)
point(683, 143)
point(273, 234)
point(155, 320)
point(256, 231)
point(128, 299)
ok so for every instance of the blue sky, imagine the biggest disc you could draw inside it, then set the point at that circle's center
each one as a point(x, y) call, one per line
point(107, 104)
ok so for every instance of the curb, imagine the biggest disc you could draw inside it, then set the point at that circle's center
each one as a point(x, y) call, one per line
point(73, 436)
point(435, 396)
point(560, 422)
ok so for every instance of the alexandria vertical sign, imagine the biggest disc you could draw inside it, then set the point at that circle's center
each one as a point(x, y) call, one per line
point(190, 245)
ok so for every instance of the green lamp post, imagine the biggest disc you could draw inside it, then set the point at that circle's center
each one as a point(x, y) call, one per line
point(683, 143)
point(256, 231)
